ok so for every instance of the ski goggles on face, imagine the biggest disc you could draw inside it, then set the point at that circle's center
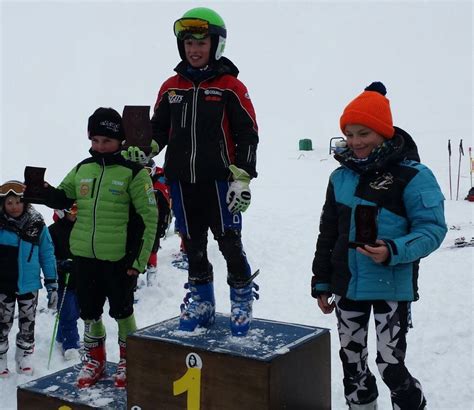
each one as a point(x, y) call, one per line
point(16, 188)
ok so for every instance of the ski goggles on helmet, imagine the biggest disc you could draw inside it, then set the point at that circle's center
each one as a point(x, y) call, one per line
point(12, 187)
point(195, 28)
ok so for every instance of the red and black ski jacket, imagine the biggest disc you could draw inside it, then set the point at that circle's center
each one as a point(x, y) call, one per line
point(207, 121)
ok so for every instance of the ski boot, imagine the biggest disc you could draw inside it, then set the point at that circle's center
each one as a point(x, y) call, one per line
point(4, 372)
point(120, 376)
point(71, 355)
point(24, 360)
point(151, 275)
point(241, 301)
point(93, 364)
point(201, 311)
point(180, 260)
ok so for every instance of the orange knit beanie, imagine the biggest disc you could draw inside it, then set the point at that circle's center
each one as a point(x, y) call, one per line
point(371, 109)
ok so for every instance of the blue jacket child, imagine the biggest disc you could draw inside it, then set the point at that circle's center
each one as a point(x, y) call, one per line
point(26, 248)
point(384, 211)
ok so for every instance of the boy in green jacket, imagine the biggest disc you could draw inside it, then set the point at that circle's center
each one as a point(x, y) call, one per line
point(111, 239)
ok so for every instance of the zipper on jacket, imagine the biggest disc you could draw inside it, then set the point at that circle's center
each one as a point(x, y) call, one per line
point(94, 213)
point(31, 253)
point(93, 187)
point(192, 160)
point(223, 154)
point(184, 112)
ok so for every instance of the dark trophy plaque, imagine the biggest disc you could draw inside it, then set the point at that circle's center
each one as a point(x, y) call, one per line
point(366, 226)
point(35, 191)
point(137, 127)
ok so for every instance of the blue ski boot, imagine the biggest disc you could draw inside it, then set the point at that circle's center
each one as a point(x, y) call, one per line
point(241, 301)
point(201, 310)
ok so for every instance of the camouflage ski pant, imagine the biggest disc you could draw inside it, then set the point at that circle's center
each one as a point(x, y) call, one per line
point(391, 322)
point(27, 303)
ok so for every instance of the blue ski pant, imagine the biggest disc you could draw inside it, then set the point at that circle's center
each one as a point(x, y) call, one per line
point(68, 334)
point(202, 206)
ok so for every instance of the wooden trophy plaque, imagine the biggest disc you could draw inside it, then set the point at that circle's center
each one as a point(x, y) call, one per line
point(35, 191)
point(137, 127)
point(366, 226)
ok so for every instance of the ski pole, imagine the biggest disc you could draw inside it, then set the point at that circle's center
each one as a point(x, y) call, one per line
point(461, 152)
point(450, 184)
point(470, 164)
point(55, 329)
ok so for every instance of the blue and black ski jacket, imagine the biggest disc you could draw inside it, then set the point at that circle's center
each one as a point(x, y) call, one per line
point(410, 219)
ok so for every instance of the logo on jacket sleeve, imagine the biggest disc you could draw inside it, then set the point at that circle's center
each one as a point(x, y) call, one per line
point(150, 193)
point(174, 98)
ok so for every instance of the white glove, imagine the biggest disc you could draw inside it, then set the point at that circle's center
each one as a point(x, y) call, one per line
point(238, 196)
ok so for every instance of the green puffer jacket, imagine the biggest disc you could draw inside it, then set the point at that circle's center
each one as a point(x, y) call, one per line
point(108, 190)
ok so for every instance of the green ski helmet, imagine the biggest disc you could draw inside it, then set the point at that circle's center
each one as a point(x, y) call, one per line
point(199, 23)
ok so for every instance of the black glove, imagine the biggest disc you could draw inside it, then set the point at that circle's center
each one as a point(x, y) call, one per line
point(52, 289)
point(65, 265)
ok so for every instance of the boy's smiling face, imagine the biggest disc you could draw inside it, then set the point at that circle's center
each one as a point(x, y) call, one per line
point(105, 145)
point(197, 51)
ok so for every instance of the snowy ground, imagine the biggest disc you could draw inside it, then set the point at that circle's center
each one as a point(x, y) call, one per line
point(302, 62)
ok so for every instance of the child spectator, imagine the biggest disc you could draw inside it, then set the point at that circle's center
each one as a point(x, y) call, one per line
point(60, 231)
point(25, 249)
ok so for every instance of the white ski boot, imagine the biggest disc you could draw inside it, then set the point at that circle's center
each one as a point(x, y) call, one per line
point(151, 275)
point(4, 372)
point(24, 360)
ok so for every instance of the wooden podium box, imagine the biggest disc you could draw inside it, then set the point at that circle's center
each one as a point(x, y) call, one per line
point(59, 389)
point(276, 366)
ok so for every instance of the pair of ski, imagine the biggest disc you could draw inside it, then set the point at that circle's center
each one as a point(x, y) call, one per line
point(461, 242)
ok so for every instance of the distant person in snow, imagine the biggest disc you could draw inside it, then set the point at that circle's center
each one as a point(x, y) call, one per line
point(67, 335)
point(111, 239)
point(205, 118)
point(25, 249)
point(380, 190)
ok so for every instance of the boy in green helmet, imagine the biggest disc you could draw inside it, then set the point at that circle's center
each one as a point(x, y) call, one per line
point(205, 118)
